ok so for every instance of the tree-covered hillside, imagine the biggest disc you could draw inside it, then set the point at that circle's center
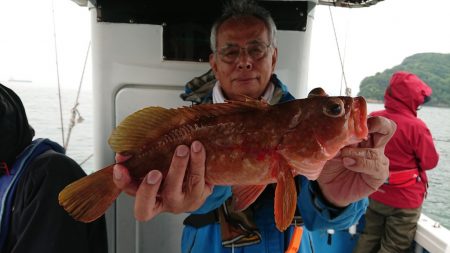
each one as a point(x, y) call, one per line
point(432, 68)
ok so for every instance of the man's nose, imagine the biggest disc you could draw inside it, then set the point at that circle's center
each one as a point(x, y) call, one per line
point(244, 60)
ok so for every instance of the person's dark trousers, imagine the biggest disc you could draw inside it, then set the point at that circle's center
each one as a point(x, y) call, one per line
point(388, 229)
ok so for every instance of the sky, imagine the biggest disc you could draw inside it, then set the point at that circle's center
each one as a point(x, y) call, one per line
point(27, 44)
point(374, 39)
point(370, 40)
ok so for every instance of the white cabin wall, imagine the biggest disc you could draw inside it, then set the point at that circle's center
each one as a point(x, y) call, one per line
point(127, 58)
point(128, 69)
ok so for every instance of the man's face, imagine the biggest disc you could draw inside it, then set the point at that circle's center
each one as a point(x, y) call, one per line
point(249, 73)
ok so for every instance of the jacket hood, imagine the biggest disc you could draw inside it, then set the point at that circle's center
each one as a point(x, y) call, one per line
point(406, 91)
point(15, 132)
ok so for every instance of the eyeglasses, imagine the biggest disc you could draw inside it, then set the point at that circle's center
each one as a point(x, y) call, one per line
point(255, 50)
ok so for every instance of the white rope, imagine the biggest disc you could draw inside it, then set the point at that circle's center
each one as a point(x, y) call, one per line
point(57, 75)
point(76, 116)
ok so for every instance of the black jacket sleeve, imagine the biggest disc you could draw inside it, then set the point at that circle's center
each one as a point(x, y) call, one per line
point(39, 223)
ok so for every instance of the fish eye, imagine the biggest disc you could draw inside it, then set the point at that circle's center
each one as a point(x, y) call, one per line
point(334, 108)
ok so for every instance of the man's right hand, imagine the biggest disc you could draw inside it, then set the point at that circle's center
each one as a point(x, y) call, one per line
point(183, 189)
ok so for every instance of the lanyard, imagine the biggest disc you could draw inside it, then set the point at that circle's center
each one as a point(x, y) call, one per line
point(296, 239)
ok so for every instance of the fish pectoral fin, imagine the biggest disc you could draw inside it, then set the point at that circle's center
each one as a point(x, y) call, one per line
point(245, 195)
point(285, 198)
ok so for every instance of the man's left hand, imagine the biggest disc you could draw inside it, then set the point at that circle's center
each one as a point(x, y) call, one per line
point(358, 170)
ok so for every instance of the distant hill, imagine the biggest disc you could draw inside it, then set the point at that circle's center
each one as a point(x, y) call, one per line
point(432, 68)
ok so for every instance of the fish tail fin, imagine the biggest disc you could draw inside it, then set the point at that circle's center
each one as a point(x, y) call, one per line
point(89, 197)
point(285, 198)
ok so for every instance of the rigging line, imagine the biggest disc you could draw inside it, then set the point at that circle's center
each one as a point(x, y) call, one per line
point(339, 51)
point(85, 160)
point(57, 75)
point(347, 89)
point(74, 109)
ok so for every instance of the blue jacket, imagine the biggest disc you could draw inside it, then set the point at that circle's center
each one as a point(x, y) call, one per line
point(318, 217)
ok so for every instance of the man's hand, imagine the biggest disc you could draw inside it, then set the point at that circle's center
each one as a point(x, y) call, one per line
point(358, 171)
point(183, 189)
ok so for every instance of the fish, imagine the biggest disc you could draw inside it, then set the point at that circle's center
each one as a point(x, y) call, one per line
point(249, 144)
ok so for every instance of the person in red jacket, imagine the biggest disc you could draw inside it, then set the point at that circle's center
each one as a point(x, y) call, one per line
point(393, 212)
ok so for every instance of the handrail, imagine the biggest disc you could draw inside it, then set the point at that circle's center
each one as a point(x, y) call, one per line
point(432, 236)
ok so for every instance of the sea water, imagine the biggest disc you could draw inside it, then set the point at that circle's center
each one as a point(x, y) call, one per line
point(43, 109)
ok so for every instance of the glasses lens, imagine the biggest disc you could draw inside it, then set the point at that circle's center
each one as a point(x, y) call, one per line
point(256, 51)
point(229, 54)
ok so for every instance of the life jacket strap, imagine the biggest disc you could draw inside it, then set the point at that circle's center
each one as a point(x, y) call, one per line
point(296, 239)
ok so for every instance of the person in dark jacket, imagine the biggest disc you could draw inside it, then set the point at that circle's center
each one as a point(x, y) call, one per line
point(391, 219)
point(32, 173)
point(243, 61)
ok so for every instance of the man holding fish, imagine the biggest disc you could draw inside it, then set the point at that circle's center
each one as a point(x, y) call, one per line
point(244, 56)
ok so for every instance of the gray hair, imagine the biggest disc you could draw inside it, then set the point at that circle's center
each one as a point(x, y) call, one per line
point(244, 8)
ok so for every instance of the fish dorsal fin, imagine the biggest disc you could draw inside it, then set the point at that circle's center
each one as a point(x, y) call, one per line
point(138, 127)
point(245, 195)
point(251, 103)
point(146, 125)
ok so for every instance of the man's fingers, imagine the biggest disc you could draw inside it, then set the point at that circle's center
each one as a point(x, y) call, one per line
point(175, 175)
point(123, 181)
point(146, 205)
point(195, 183)
point(380, 125)
point(121, 158)
point(381, 130)
point(196, 175)
point(367, 161)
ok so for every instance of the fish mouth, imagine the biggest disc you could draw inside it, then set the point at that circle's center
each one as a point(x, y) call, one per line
point(359, 115)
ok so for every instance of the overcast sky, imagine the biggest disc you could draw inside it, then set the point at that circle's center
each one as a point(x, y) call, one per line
point(376, 38)
point(27, 47)
point(370, 39)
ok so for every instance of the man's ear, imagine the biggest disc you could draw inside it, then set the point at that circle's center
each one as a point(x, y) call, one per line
point(274, 58)
point(213, 63)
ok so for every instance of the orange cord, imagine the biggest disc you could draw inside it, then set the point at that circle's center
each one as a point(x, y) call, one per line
point(296, 239)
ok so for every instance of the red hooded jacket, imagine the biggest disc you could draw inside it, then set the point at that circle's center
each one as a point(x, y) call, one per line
point(412, 145)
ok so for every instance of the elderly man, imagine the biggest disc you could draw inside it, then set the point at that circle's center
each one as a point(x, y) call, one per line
point(243, 61)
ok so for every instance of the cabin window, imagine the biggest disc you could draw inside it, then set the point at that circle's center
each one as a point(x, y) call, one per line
point(186, 42)
point(187, 24)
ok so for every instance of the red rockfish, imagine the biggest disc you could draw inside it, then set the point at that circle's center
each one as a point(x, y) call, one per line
point(248, 145)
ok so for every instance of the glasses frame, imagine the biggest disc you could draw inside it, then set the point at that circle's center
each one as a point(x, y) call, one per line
point(222, 57)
